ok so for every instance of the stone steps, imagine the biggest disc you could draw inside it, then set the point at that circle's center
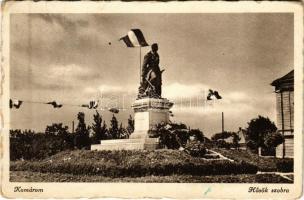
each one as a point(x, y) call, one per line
point(127, 144)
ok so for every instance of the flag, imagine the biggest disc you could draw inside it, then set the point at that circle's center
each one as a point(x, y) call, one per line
point(55, 104)
point(216, 94)
point(213, 94)
point(135, 38)
point(91, 105)
point(15, 103)
point(114, 110)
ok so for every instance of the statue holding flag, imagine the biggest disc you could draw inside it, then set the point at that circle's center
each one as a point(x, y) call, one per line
point(150, 109)
point(151, 79)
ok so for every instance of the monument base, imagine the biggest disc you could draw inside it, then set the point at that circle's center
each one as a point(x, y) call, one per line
point(127, 144)
point(148, 113)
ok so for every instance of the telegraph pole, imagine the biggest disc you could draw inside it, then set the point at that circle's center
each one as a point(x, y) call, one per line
point(222, 122)
point(139, 64)
point(72, 126)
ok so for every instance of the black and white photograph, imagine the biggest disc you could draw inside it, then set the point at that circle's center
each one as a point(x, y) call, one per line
point(153, 97)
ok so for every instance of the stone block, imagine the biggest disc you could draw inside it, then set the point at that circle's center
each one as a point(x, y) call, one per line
point(127, 144)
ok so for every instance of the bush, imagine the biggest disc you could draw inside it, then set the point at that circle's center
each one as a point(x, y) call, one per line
point(285, 165)
point(170, 136)
point(268, 151)
point(195, 148)
point(252, 146)
point(174, 135)
point(272, 140)
point(222, 135)
point(222, 144)
point(132, 164)
point(198, 134)
point(29, 145)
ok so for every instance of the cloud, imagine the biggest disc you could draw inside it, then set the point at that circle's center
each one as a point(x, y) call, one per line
point(192, 96)
point(231, 102)
point(111, 88)
point(66, 22)
point(236, 96)
point(61, 77)
point(213, 107)
point(112, 91)
point(49, 39)
point(71, 71)
point(177, 90)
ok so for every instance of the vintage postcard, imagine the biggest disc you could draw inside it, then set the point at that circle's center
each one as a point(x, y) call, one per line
point(152, 100)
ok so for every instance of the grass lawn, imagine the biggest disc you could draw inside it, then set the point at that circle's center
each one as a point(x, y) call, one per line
point(146, 166)
point(266, 164)
point(26, 176)
point(132, 164)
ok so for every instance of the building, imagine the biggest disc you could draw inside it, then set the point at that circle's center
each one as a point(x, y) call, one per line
point(284, 89)
point(242, 135)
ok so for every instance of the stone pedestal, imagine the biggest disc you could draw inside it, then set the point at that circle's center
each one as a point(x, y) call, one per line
point(148, 112)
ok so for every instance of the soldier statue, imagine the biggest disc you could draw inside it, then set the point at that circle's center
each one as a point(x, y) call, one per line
point(151, 76)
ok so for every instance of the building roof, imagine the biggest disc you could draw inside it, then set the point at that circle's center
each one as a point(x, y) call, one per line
point(285, 82)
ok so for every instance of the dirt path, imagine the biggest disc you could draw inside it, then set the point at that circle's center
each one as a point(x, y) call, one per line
point(220, 155)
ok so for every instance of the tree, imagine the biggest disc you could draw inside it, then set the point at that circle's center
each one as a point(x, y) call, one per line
point(198, 134)
point(221, 135)
point(32, 145)
point(273, 140)
point(105, 130)
point(82, 139)
point(257, 131)
point(99, 129)
point(113, 130)
point(130, 127)
point(57, 129)
point(122, 132)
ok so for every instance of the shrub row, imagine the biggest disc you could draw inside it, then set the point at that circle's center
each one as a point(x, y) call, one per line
point(30, 145)
point(285, 165)
point(130, 164)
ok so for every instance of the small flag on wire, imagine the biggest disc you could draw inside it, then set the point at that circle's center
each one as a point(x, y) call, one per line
point(135, 38)
point(55, 104)
point(91, 105)
point(114, 110)
point(213, 94)
point(15, 103)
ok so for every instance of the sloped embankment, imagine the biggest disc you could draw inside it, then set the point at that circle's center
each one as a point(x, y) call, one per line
point(132, 164)
point(264, 164)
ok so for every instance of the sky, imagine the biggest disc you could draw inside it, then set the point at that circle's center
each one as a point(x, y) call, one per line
point(67, 58)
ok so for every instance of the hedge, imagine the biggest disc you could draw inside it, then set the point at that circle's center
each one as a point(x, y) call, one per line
point(285, 165)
